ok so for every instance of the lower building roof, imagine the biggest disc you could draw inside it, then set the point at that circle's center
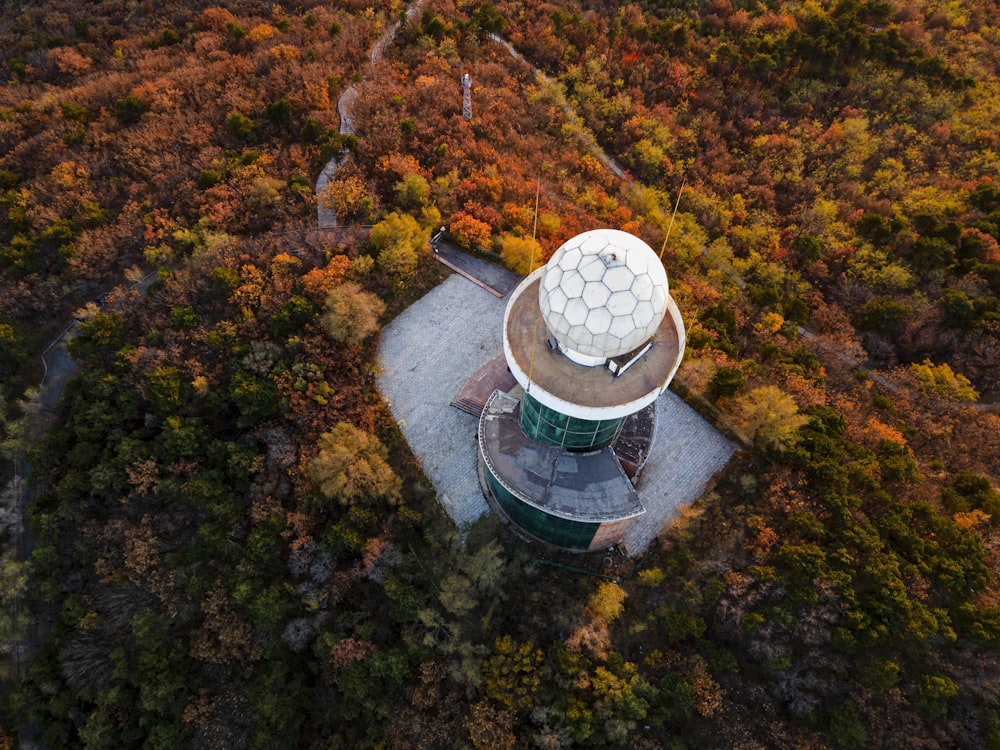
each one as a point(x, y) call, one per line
point(589, 487)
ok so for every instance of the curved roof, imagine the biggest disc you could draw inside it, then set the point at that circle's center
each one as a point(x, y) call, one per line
point(603, 294)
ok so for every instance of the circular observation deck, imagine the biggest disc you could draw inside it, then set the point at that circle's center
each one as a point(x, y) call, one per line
point(585, 391)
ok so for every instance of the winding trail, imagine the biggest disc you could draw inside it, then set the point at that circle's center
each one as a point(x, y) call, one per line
point(326, 218)
point(582, 131)
point(58, 368)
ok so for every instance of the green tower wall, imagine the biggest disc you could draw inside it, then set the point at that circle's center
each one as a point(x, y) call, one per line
point(550, 427)
point(576, 535)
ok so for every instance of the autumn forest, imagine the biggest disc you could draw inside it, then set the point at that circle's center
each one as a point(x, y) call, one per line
point(227, 542)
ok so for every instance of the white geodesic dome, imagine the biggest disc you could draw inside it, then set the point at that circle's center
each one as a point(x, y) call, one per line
point(603, 294)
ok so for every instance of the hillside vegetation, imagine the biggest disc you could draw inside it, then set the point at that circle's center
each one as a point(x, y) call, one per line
point(232, 544)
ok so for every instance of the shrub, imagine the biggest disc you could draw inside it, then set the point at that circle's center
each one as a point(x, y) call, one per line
point(130, 109)
point(726, 382)
point(242, 127)
point(184, 319)
point(931, 702)
point(968, 491)
point(225, 279)
point(881, 315)
point(941, 380)
point(846, 730)
point(897, 462)
point(280, 112)
point(469, 231)
point(311, 130)
point(210, 177)
point(75, 112)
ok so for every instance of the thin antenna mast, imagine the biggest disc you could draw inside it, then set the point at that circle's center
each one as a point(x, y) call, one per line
point(531, 267)
point(674, 214)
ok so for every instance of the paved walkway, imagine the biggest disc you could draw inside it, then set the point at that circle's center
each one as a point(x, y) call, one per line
point(326, 218)
point(495, 279)
point(435, 345)
point(687, 452)
point(427, 354)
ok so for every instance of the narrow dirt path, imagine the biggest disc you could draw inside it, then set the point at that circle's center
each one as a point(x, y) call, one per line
point(59, 368)
point(325, 217)
point(574, 119)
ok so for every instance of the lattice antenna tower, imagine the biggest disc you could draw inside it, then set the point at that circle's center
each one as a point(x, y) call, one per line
point(466, 96)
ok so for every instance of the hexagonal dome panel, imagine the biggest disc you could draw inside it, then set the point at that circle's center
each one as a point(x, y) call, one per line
point(572, 283)
point(634, 340)
point(621, 326)
point(563, 327)
point(659, 299)
point(552, 279)
point(638, 262)
point(642, 287)
point(571, 258)
point(558, 301)
point(607, 342)
point(576, 312)
point(599, 320)
point(581, 334)
point(590, 243)
point(593, 268)
point(618, 277)
point(643, 312)
point(603, 293)
point(622, 303)
point(595, 294)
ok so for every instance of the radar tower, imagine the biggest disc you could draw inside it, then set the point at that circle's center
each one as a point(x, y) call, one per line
point(560, 454)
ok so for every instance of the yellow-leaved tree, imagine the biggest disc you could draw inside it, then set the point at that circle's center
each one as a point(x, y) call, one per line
point(351, 467)
point(399, 239)
point(941, 380)
point(768, 416)
point(351, 313)
point(521, 254)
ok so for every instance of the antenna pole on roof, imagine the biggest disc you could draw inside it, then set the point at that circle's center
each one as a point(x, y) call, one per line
point(672, 216)
point(531, 267)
